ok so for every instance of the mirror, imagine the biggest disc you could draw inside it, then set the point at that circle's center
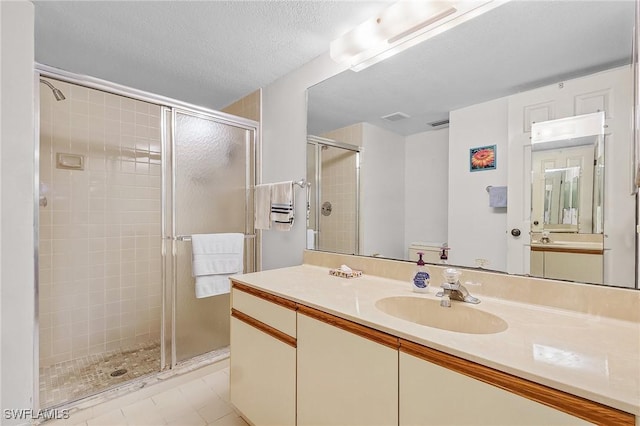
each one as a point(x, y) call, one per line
point(568, 175)
point(419, 115)
point(567, 198)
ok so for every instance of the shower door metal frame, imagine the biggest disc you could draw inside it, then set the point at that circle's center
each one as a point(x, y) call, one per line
point(169, 146)
point(36, 242)
point(319, 142)
point(165, 104)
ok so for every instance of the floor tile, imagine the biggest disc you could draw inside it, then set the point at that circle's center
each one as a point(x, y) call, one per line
point(143, 413)
point(197, 401)
point(230, 420)
point(112, 418)
point(139, 409)
point(215, 410)
point(188, 419)
point(198, 393)
point(219, 382)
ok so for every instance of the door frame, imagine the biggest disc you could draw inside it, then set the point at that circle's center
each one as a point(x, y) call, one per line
point(318, 142)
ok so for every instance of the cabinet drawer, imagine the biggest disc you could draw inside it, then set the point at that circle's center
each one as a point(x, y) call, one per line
point(282, 316)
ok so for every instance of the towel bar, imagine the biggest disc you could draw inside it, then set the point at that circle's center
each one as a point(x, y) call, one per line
point(188, 237)
point(302, 183)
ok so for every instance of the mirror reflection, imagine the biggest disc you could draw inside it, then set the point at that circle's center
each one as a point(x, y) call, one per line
point(418, 117)
point(567, 198)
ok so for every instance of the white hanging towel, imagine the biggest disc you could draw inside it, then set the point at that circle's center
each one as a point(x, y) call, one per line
point(215, 257)
point(498, 196)
point(262, 196)
point(282, 205)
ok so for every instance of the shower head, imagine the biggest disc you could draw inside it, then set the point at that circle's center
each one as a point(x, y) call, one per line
point(56, 92)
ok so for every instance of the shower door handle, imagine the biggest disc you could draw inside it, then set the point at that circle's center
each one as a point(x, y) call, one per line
point(43, 201)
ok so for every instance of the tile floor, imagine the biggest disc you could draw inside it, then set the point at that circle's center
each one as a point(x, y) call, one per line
point(72, 380)
point(201, 400)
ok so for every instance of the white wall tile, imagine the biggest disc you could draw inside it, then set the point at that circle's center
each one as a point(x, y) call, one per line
point(88, 244)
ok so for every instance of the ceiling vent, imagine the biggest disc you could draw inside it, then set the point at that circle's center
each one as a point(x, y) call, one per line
point(396, 116)
point(441, 123)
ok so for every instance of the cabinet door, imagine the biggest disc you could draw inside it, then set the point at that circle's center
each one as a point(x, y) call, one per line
point(537, 263)
point(586, 268)
point(263, 376)
point(343, 378)
point(433, 395)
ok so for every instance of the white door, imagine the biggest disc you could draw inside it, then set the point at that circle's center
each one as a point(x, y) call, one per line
point(609, 91)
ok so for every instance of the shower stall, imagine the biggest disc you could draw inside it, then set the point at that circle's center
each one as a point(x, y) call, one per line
point(333, 169)
point(125, 178)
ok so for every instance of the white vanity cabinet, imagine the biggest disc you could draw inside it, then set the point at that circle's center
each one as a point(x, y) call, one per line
point(440, 389)
point(580, 267)
point(263, 357)
point(294, 364)
point(433, 395)
point(347, 373)
point(565, 264)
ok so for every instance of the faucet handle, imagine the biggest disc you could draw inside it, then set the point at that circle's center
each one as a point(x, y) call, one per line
point(451, 275)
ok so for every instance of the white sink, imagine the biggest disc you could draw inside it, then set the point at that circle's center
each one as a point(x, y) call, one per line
point(459, 318)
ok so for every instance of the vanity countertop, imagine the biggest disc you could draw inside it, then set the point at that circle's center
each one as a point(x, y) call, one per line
point(594, 357)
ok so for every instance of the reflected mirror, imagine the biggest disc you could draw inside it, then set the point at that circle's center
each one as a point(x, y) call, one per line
point(418, 117)
point(567, 198)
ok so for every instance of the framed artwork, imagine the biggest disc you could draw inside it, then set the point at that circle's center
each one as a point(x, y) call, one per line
point(482, 158)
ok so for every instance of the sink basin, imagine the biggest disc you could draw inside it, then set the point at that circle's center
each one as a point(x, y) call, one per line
point(458, 318)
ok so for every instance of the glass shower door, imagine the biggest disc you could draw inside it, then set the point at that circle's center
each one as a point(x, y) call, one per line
point(333, 168)
point(213, 173)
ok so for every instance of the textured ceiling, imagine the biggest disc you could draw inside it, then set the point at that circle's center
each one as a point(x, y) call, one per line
point(517, 46)
point(208, 53)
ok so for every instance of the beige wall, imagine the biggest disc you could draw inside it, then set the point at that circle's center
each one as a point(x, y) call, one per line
point(284, 125)
point(350, 134)
point(100, 283)
point(247, 107)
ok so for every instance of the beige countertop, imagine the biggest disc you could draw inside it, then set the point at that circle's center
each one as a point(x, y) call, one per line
point(594, 357)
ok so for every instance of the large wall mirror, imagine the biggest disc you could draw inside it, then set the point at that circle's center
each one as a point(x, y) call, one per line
point(457, 152)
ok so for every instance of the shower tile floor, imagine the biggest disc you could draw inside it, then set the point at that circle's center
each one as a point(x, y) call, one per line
point(78, 378)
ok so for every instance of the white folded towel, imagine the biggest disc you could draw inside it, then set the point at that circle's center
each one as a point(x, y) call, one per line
point(215, 258)
point(282, 203)
point(262, 199)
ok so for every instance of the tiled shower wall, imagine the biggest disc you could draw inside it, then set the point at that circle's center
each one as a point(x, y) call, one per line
point(100, 246)
point(339, 188)
point(247, 107)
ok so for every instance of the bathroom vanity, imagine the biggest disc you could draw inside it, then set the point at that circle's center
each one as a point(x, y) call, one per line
point(310, 348)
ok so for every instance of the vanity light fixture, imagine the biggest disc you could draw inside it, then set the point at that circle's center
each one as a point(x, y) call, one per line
point(402, 25)
point(575, 127)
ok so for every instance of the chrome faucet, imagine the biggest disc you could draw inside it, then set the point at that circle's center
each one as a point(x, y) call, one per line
point(452, 289)
point(545, 238)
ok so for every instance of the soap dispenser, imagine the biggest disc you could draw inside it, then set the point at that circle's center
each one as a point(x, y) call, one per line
point(421, 278)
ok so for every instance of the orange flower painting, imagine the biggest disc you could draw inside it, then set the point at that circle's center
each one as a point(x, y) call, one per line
point(482, 158)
